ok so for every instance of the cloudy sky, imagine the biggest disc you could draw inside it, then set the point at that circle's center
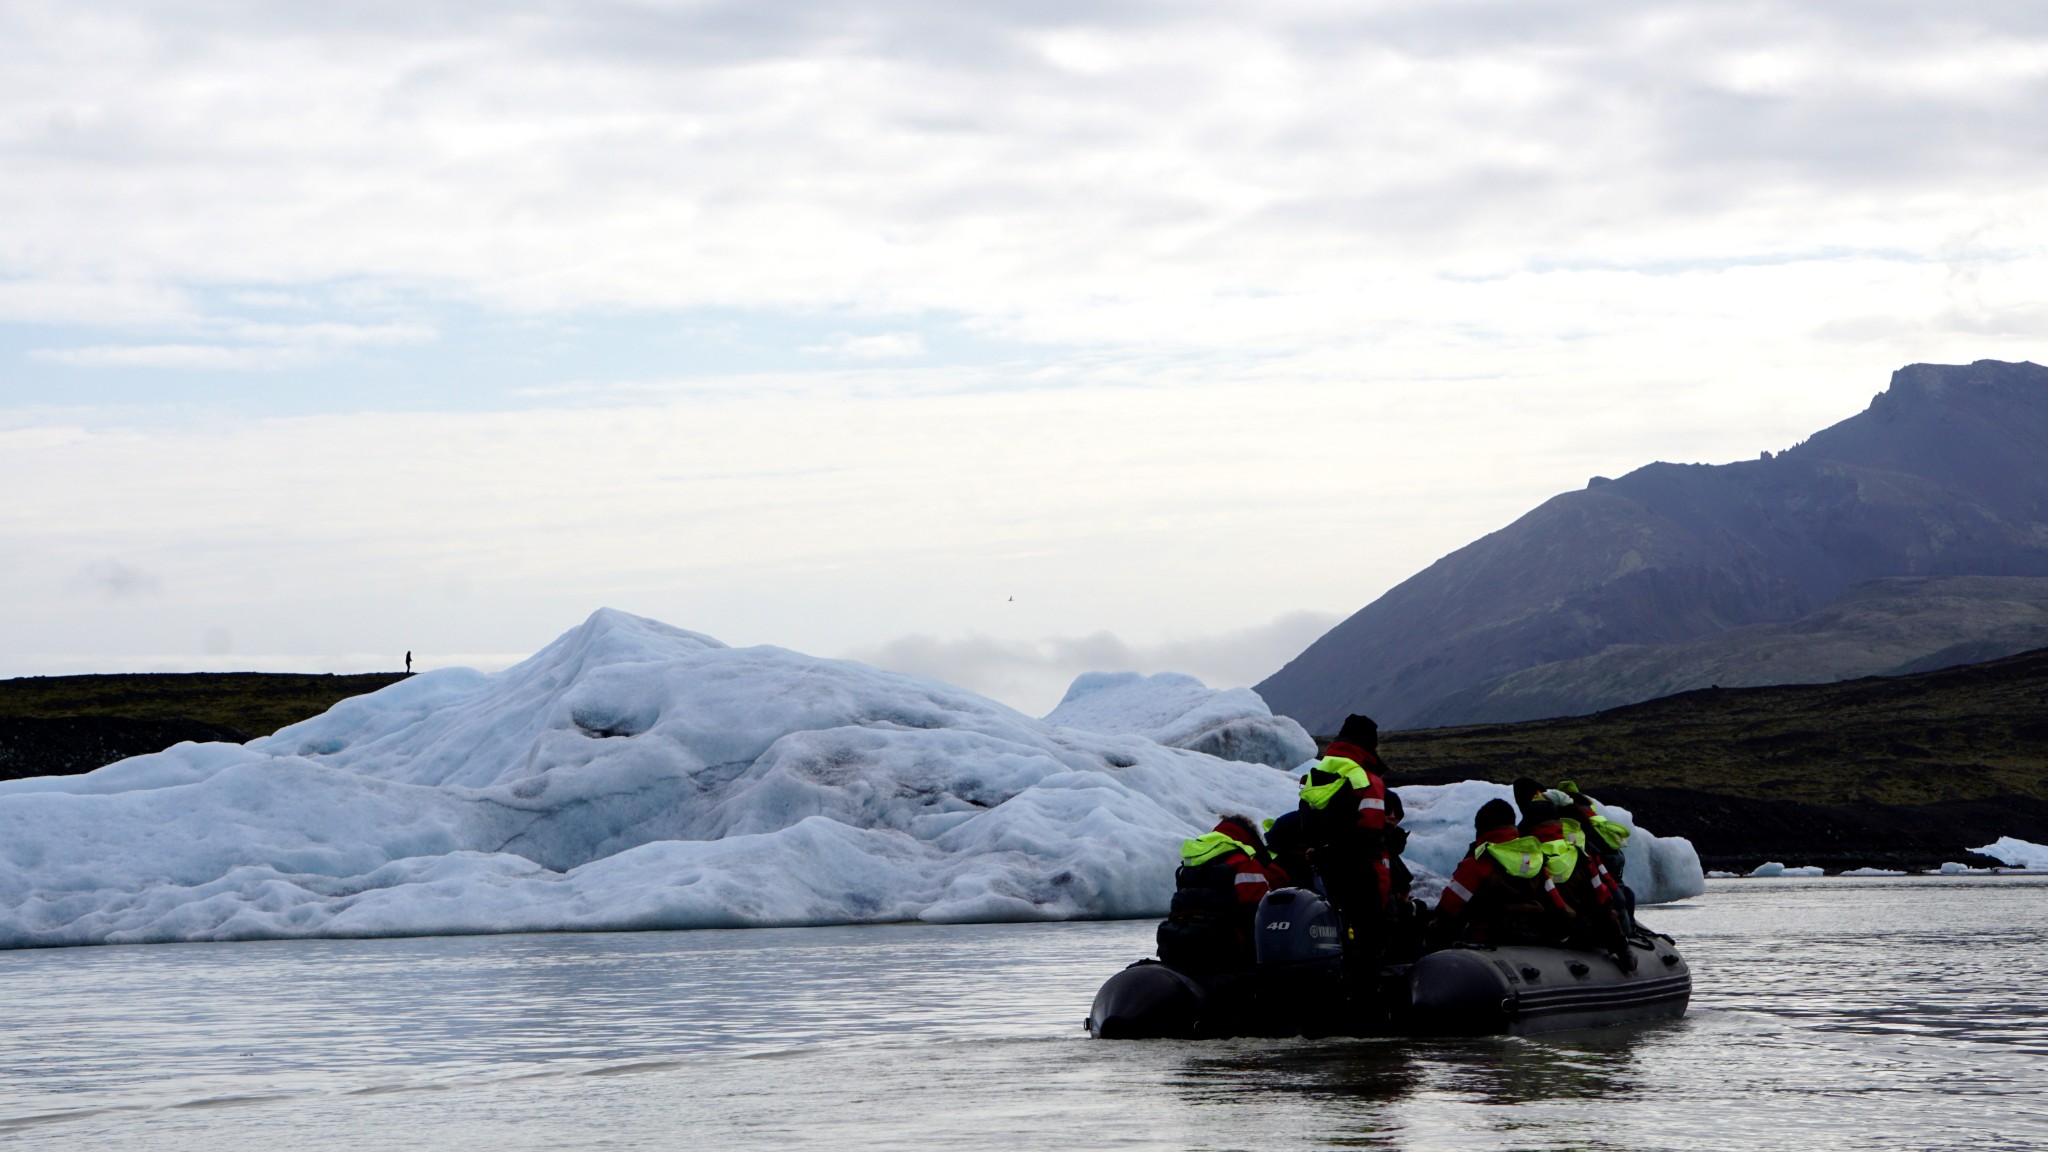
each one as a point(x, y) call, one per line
point(996, 341)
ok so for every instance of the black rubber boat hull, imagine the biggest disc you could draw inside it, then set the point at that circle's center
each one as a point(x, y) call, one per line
point(1522, 991)
point(1297, 988)
point(1148, 1001)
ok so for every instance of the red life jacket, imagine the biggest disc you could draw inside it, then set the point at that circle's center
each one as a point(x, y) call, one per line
point(1588, 875)
point(1372, 804)
point(1481, 888)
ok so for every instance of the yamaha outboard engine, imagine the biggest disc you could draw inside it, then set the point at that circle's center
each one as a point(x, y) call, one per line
point(1297, 929)
point(1300, 943)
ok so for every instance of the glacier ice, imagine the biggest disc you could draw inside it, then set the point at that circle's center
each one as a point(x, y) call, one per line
point(1774, 868)
point(1180, 712)
point(1873, 872)
point(635, 775)
point(2015, 853)
point(1660, 869)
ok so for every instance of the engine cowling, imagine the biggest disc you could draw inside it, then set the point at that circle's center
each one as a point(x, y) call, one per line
point(1295, 928)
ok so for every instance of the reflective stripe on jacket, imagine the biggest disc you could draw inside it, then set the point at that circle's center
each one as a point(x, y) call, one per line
point(1214, 853)
point(1333, 774)
point(1521, 857)
point(1573, 832)
point(1497, 888)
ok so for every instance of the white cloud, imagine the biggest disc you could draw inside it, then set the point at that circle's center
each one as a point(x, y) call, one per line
point(268, 347)
point(112, 579)
point(215, 356)
point(885, 346)
point(1032, 675)
point(1310, 294)
point(1199, 176)
point(49, 296)
point(328, 334)
point(827, 518)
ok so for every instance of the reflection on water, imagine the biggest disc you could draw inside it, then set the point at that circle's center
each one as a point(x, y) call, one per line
point(1365, 1093)
point(1500, 1071)
point(1360, 1071)
point(1827, 1013)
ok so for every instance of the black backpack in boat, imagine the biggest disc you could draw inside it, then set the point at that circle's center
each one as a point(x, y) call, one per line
point(1202, 932)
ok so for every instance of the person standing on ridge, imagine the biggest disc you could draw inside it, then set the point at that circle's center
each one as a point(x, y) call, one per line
point(1344, 812)
point(408, 662)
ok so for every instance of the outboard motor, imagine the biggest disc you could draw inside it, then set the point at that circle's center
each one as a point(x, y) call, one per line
point(1296, 928)
point(1300, 944)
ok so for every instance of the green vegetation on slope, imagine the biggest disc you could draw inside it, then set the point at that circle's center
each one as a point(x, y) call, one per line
point(1972, 733)
point(252, 703)
point(1878, 628)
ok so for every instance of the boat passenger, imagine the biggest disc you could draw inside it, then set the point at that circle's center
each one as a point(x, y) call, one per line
point(1597, 921)
point(1499, 893)
point(1343, 809)
point(1287, 849)
point(1605, 839)
point(1400, 881)
point(1405, 917)
point(1216, 897)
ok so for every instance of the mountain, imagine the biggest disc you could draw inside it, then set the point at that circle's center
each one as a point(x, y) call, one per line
point(1944, 474)
point(1883, 627)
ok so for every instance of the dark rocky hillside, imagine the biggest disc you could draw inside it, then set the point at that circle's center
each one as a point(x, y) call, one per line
point(1884, 627)
point(61, 725)
point(1904, 771)
point(1946, 473)
point(68, 745)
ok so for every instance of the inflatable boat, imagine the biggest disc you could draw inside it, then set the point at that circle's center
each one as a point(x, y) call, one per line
point(1297, 988)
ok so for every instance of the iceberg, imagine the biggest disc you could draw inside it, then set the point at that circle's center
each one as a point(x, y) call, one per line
point(1180, 712)
point(632, 775)
point(2015, 853)
point(1873, 872)
point(1659, 869)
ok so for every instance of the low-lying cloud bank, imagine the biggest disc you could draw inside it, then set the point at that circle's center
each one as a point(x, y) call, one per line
point(1034, 674)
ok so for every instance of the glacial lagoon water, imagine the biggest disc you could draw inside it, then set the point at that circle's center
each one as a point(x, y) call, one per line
point(1836, 1013)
